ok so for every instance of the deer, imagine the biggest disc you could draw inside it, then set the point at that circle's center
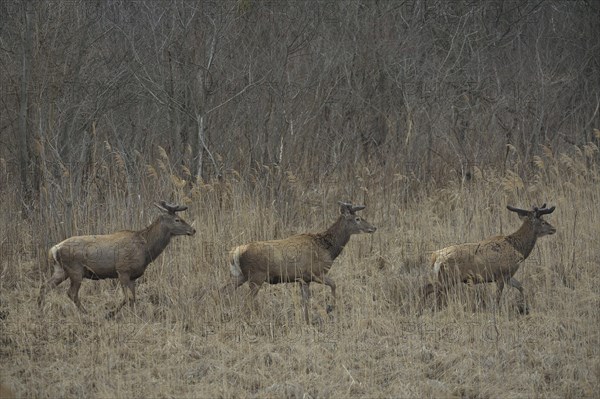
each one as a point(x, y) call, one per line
point(495, 259)
point(302, 258)
point(124, 255)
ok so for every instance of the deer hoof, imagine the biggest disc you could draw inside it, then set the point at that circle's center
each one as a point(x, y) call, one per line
point(523, 309)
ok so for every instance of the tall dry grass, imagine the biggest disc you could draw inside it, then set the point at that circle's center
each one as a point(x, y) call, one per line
point(183, 340)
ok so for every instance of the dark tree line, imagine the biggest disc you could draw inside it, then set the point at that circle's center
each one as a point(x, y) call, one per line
point(423, 88)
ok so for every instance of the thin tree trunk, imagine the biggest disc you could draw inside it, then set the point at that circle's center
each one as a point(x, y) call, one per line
point(199, 146)
point(24, 106)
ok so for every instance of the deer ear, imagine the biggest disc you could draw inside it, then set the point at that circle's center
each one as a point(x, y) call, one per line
point(539, 212)
point(174, 207)
point(170, 208)
point(357, 208)
point(161, 206)
point(521, 212)
point(345, 208)
point(525, 217)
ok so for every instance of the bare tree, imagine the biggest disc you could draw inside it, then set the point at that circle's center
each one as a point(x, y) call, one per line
point(427, 89)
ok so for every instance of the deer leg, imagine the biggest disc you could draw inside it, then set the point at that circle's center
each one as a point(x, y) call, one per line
point(305, 289)
point(126, 286)
point(427, 290)
point(254, 287)
point(499, 288)
point(73, 292)
point(58, 277)
point(442, 288)
point(440, 293)
point(441, 296)
point(226, 292)
point(234, 283)
point(326, 280)
point(113, 312)
point(131, 287)
point(523, 308)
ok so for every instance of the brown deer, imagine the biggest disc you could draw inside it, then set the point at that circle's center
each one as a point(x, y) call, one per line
point(302, 258)
point(496, 259)
point(123, 255)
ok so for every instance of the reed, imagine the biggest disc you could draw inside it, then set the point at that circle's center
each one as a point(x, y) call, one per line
point(178, 342)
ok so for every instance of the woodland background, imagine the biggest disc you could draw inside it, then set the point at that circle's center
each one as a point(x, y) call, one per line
point(260, 116)
point(428, 89)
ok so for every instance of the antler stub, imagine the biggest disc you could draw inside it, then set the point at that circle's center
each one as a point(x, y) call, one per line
point(170, 208)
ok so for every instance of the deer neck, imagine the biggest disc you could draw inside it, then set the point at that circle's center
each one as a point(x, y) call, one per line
point(156, 237)
point(523, 240)
point(335, 238)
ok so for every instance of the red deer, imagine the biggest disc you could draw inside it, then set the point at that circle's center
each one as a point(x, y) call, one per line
point(302, 258)
point(496, 259)
point(123, 255)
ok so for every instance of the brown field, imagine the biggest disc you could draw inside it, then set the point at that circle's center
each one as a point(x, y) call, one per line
point(183, 340)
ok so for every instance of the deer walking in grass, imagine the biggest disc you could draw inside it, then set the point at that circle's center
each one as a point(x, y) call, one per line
point(123, 255)
point(302, 258)
point(496, 259)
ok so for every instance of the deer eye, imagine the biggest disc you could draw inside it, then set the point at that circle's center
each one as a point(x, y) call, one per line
point(177, 220)
point(357, 219)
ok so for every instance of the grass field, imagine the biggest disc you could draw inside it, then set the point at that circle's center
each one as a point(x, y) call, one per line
point(182, 340)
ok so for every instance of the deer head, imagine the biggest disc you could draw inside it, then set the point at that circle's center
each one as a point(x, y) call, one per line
point(354, 223)
point(175, 225)
point(534, 217)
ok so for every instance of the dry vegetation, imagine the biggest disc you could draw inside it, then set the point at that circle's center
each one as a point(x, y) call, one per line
point(260, 116)
point(182, 340)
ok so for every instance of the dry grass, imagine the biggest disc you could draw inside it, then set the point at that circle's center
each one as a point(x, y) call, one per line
point(178, 342)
